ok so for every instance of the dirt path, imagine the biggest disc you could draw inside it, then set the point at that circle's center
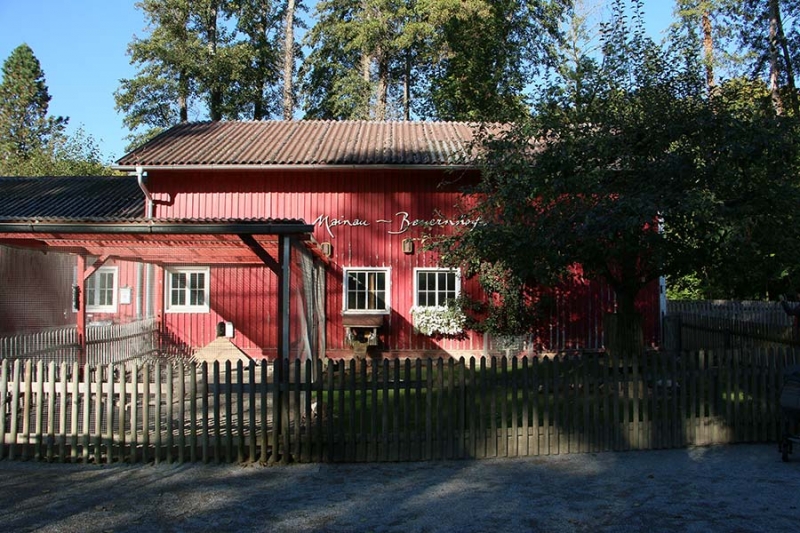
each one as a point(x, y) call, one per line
point(733, 488)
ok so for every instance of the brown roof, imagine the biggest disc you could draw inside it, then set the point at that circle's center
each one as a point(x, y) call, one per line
point(73, 197)
point(306, 143)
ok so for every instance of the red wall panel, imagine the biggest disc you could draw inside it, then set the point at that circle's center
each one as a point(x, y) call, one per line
point(365, 215)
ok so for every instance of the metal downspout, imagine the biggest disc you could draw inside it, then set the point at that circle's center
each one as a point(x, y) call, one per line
point(140, 175)
point(144, 278)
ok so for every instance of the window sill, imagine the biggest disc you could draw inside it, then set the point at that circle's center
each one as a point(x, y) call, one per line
point(363, 319)
point(188, 310)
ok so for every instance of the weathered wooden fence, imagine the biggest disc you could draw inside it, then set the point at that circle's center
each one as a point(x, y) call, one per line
point(692, 332)
point(111, 343)
point(390, 410)
point(743, 311)
point(726, 325)
point(55, 344)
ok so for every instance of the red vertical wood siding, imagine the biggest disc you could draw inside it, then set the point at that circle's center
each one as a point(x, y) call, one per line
point(245, 295)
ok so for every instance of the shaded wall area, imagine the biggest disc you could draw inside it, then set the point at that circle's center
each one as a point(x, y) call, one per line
point(35, 290)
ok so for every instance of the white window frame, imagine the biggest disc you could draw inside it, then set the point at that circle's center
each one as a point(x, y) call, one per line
point(388, 290)
point(436, 270)
point(187, 308)
point(94, 280)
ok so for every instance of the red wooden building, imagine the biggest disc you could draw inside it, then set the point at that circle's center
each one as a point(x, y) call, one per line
point(369, 192)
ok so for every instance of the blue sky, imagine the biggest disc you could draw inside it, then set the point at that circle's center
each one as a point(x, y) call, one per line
point(81, 45)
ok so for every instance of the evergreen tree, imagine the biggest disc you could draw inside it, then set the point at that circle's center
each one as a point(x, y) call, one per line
point(444, 59)
point(216, 58)
point(346, 74)
point(254, 85)
point(165, 86)
point(747, 38)
point(490, 51)
point(25, 126)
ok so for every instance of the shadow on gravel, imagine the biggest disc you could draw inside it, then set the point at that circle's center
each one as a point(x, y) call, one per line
point(720, 488)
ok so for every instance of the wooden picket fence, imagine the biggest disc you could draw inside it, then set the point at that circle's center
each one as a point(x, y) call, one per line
point(690, 332)
point(759, 312)
point(390, 410)
point(105, 343)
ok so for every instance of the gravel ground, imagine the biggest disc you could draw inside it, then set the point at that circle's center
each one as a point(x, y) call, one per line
point(731, 488)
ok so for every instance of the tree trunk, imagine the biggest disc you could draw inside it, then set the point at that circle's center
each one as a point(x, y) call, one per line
point(383, 87)
point(215, 91)
point(288, 63)
point(780, 36)
point(774, 86)
point(623, 330)
point(708, 47)
point(407, 88)
point(183, 96)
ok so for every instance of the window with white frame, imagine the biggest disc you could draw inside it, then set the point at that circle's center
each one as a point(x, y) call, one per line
point(101, 291)
point(187, 290)
point(434, 287)
point(366, 290)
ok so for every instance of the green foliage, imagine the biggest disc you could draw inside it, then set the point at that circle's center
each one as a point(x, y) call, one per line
point(635, 175)
point(63, 155)
point(488, 52)
point(215, 58)
point(355, 50)
point(31, 142)
point(688, 287)
point(25, 126)
point(443, 59)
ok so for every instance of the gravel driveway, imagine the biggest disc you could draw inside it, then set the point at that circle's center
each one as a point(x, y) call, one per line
point(731, 488)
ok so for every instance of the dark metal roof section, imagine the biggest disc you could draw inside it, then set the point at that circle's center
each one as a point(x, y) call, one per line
point(306, 143)
point(74, 198)
point(165, 226)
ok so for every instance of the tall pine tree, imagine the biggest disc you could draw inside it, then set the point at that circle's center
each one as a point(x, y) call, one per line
point(25, 126)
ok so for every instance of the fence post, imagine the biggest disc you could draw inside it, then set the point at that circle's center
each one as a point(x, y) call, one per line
point(4, 407)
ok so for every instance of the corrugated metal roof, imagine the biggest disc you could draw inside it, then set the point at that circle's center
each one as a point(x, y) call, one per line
point(92, 197)
point(135, 222)
point(307, 143)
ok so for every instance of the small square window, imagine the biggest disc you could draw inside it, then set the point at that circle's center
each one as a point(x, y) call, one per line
point(187, 290)
point(436, 286)
point(366, 290)
point(101, 291)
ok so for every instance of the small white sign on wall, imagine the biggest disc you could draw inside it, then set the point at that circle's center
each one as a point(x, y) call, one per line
point(125, 295)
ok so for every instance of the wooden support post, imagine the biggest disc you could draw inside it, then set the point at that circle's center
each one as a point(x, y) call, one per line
point(284, 286)
point(80, 299)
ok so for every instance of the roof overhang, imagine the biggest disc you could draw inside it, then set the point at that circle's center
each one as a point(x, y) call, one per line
point(160, 242)
point(259, 167)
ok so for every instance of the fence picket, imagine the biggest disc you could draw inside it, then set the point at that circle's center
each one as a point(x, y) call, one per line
point(4, 407)
point(525, 407)
point(26, 409)
point(352, 448)
point(38, 414)
point(407, 444)
point(159, 428)
point(362, 440)
point(121, 413)
point(53, 405)
point(205, 430)
point(395, 410)
point(62, 420)
point(252, 399)
point(240, 412)
point(146, 413)
point(134, 411)
point(15, 397)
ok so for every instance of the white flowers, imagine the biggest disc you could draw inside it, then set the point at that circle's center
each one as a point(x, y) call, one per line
point(441, 320)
